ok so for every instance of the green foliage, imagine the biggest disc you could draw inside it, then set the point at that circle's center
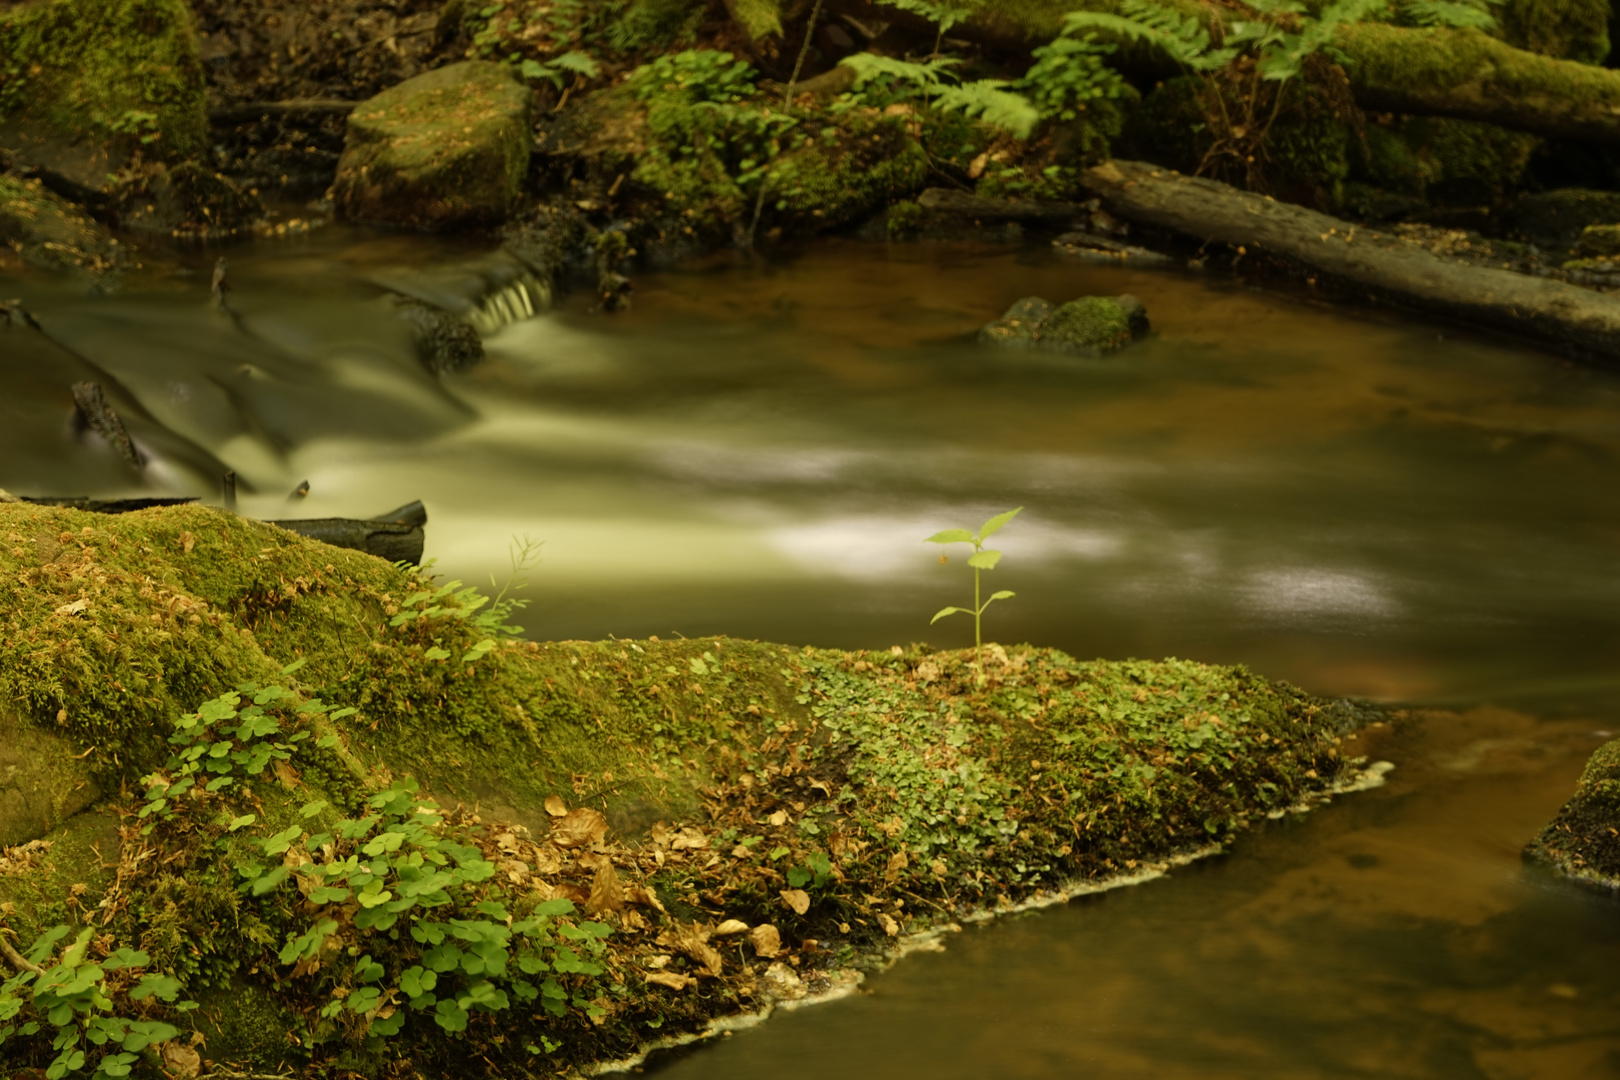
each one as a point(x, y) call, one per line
point(76, 1002)
point(695, 76)
point(942, 13)
point(980, 560)
point(930, 83)
point(1457, 14)
point(557, 67)
point(1069, 73)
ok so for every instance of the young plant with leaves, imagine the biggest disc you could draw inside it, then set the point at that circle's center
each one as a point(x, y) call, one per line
point(930, 83)
point(980, 560)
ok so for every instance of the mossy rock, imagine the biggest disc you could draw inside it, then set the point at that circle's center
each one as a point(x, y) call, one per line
point(829, 800)
point(50, 232)
point(1567, 29)
point(42, 781)
point(447, 149)
point(1600, 241)
point(1583, 841)
point(1091, 326)
point(1556, 219)
point(88, 86)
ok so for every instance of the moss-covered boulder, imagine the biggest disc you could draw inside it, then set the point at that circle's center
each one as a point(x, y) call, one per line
point(1583, 841)
point(684, 146)
point(187, 200)
point(1568, 29)
point(43, 781)
point(447, 149)
point(1090, 326)
point(50, 232)
point(88, 86)
point(1556, 219)
point(341, 808)
point(1600, 241)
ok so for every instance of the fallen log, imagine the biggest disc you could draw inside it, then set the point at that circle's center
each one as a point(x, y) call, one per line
point(1568, 318)
point(396, 536)
point(1464, 74)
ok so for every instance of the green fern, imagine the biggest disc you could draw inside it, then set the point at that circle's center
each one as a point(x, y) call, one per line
point(927, 76)
point(1184, 38)
point(1458, 14)
point(990, 101)
point(942, 13)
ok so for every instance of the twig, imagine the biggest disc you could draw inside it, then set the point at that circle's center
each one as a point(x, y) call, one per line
point(787, 107)
point(16, 959)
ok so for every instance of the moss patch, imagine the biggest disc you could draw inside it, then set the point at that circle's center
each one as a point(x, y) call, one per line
point(1581, 841)
point(86, 83)
point(817, 803)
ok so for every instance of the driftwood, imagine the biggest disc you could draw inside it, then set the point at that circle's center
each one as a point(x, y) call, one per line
point(396, 536)
point(100, 417)
point(1566, 317)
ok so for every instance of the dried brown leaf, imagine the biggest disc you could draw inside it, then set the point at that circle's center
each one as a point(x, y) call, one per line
point(729, 927)
point(606, 893)
point(890, 927)
point(693, 940)
point(797, 899)
point(641, 894)
point(580, 827)
point(567, 890)
point(767, 941)
point(779, 818)
point(555, 806)
point(181, 1060)
point(897, 862)
point(671, 979)
point(689, 838)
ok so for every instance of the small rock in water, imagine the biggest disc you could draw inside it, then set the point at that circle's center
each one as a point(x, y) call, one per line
point(1090, 326)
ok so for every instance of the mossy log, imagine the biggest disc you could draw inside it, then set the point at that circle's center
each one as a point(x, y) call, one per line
point(815, 803)
point(1464, 74)
point(1574, 320)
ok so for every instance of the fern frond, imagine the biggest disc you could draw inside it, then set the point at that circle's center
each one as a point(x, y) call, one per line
point(578, 62)
point(1182, 37)
point(990, 101)
point(1458, 14)
point(925, 76)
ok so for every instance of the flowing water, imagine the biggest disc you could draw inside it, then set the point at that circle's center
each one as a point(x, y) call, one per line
point(1362, 504)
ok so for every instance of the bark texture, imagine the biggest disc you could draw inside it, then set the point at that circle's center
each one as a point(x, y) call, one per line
point(1567, 317)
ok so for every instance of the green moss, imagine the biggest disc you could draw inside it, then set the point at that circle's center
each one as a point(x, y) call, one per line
point(1091, 322)
point(1452, 162)
point(1582, 840)
point(894, 789)
point(1569, 29)
point(104, 69)
point(447, 148)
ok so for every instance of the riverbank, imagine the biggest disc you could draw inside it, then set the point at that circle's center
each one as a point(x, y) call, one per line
point(634, 837)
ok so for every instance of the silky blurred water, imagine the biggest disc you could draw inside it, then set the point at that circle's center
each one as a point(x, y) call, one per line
point(1361, 503)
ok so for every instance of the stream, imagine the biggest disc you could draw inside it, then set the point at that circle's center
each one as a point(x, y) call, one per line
point(1358, 502)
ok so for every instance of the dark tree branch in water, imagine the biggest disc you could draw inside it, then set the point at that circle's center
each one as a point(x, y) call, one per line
point(101, 418)
point(1565, 316)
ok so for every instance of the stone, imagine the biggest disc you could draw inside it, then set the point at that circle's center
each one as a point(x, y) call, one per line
point(448, 149)
point(43, 782)
point(1091, 326)
point(50, 232)
point(1599, 240)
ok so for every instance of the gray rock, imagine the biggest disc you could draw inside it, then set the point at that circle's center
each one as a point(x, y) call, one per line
point(447, 149)
point(43, 781)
